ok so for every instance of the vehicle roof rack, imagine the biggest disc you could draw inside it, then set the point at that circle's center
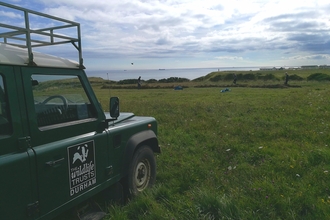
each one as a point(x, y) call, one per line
point(26, 37)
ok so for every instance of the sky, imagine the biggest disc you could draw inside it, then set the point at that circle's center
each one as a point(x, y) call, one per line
point(155, 34)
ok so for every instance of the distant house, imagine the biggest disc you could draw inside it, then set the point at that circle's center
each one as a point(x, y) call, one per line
point(305, 67)
point(294, 68)
point(268, 68)
point(324, 66)
point(309, 67)
point(272, 68)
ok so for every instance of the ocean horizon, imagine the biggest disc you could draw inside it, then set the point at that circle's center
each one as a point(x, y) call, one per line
point(146, 74)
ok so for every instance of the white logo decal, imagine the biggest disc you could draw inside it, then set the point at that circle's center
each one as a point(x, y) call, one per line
point(82, 168)
point(82, 157)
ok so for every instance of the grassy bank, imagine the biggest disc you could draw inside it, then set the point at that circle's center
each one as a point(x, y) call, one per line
point(258, 78)
point(250, 153)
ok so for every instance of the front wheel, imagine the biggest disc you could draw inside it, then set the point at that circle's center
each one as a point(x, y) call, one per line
point(142, 171)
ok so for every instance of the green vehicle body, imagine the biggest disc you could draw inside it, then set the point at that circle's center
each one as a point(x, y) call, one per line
point(58, 147)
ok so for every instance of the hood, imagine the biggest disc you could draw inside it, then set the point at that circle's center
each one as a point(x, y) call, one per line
point(122, 117)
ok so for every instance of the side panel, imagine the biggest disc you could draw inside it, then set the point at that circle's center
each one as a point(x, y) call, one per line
point(16, 182)
point(16, 189)
point(69, 168)
point(71, 149)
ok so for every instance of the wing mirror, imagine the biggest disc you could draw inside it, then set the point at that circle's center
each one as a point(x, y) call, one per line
point(114, 107)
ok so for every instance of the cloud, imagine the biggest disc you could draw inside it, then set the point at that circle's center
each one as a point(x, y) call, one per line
point(204, 29)
point(229, 58)
point(312, 57)
point(10, 14)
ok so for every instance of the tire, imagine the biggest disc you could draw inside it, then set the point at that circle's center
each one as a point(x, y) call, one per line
point(142, 171)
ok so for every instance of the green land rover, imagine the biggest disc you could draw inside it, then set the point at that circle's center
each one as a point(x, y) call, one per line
point(58, 148)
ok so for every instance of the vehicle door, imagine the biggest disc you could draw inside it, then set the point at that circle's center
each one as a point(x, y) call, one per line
point(17, 185)
point(64, 125)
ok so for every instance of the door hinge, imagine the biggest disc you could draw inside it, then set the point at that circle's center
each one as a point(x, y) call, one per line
point(32, 208)
point(24, 142)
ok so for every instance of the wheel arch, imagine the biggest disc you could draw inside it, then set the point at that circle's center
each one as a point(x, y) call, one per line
point(142, 138)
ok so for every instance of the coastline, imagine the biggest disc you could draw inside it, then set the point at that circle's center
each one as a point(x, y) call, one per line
point(189, 73)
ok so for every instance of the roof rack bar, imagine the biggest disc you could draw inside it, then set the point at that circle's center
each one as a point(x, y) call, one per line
point(37, 13)
point(55, 43)
point(28, 37)
point(38, 43)
point(15, 33)
point(54, 28)
point(11, 35)
point(20, 30)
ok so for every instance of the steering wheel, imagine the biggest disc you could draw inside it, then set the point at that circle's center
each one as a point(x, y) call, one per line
point(63, 99)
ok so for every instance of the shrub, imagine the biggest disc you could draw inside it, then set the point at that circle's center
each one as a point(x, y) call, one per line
point(249, 76)
point(295, 77)
point(230, 76)
point(267, 77)
point(318, 77)
point(216, 78)
point(151, 81)
point(127, 81)
point(174, 79)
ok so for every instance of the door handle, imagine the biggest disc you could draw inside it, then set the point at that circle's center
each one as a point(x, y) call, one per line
point(54, 162)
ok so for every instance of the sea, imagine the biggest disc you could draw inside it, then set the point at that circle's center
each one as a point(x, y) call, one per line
point(146, 74)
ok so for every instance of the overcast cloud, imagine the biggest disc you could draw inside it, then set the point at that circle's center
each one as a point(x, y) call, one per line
point(195, 33)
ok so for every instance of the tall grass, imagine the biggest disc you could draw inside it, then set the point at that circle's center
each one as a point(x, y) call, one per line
point(250, 153)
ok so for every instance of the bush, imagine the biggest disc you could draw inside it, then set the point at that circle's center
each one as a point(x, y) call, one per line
point(230, 76)
point(127, 81)
point(151, 81)
point(318, 77)
point(216, 78)
point(267, 77)
point(174, 79)
point(249, 76)
point(295, 77)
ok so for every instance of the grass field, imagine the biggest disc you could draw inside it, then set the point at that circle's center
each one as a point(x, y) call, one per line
point(249, 153)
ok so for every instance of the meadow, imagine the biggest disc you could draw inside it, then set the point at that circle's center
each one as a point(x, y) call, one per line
point(248, 153)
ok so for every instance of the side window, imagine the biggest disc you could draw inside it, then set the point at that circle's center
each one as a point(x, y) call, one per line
point(5, 125)
point(60, 99)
